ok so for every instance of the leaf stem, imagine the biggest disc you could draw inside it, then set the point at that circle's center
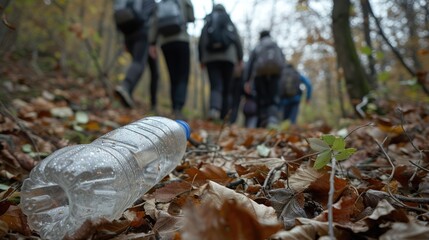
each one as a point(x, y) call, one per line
point(331, 198)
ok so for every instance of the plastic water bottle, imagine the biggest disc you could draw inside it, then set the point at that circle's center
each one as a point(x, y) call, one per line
point(103, 178)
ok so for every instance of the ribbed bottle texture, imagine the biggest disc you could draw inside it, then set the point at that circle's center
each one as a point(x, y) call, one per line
point(103, 178)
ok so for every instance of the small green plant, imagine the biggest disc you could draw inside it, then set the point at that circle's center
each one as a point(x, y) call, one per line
point(328, 147)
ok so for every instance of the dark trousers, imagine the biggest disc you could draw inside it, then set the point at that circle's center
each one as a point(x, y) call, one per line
point(221, 86)
point(154, 76)
point(267, 99)
point(237, 93)
point(137, 45)
point(177, 57)
point(290, 111)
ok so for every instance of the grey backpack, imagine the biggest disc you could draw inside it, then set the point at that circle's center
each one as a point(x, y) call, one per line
point(269, 58)
point(170, 17)
point(290, 82)
point(128, 15)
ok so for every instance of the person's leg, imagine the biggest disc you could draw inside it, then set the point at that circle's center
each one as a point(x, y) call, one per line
point(272, 100)
point(177, 56)
point(237, 93)
point(138, 48)
point(215, 78)
point(154, 75)
point(227, 71)
point(262, 100)
point(294, 112)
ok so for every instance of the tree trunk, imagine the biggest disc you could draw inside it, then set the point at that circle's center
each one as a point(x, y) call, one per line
point(355, 76)
point(367, 34)
point(410, 15)
point(4, 29)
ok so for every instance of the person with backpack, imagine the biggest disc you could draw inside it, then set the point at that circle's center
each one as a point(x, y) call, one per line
point(220, 50)
point(291, 93)
point(133, 19)
point(170, 32)
point(262, 75)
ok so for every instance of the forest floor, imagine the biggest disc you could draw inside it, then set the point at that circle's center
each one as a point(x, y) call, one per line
point(233, 183)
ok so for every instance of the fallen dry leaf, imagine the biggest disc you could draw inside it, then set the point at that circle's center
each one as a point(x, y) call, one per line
point(412, 230)
point(303, 177)
point(288, 205)
point(211, 222)
point(216, 194)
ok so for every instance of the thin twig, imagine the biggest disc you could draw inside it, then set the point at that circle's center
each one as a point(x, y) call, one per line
point(23, 128)
point(270, 176)
point(418, 166)
point(287, 176)
point(390, 179)
point(401, 114)
point(300, 158)
point(370, 124)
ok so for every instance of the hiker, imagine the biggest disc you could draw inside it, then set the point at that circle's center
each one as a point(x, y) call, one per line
point(136, 38)
point(290, 92)
point(220, 50)
point(262, 75)
point(171, 33)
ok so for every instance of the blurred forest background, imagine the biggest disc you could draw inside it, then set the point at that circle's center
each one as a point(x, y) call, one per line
point(381, 48)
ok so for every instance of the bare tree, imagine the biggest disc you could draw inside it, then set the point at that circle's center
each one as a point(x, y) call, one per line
point(355, 76)
point(368, 41)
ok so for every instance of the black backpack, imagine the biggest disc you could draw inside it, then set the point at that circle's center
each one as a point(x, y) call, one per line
point(128, 15)
point(269, 58)
point(170, 18)
point(290, 82)
point(220, 31)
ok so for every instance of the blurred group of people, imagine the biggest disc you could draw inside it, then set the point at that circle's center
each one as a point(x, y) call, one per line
point(261, 87)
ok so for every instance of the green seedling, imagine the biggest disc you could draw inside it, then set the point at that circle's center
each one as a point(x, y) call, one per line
point(328, 147)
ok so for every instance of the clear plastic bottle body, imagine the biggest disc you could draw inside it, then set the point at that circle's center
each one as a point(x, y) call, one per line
point(100, 179)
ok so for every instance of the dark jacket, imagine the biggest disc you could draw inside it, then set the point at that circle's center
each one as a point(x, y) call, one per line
point(249, 74)
point(234, 52)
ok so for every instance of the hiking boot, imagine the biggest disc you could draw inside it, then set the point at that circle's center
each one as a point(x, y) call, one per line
point(214, 114)
point(124, 96)
point(154, 110)
point(178, 115)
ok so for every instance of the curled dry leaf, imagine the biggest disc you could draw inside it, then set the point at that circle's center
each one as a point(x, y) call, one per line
point(303, 177)
point(217, 194)
point(288, 205)
point(16, 220)
point(4, 229)
point(411, 230)
point(212, 222)
point(171, 190)
point(322, 228)
point(207, 172)
point(386, 211)
point(320, 188)
point(343, 210)
point(167, 225)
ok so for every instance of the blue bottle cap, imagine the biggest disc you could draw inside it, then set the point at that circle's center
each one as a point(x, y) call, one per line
point(186, 127)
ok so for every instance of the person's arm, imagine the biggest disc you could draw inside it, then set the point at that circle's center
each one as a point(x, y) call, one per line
point(153, 33)
point(201, 44)
point(248, 73)
point(190, 17)
point(308, 87)
point(238, 45)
